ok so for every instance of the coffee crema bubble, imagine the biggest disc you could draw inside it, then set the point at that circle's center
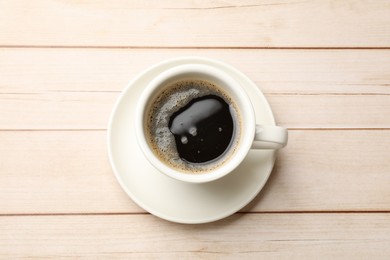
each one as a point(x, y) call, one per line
point(193, 126)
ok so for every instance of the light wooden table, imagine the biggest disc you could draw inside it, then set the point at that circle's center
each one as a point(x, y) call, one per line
point(323, 65)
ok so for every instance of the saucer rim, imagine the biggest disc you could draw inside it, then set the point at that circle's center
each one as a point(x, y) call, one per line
point(185, 60)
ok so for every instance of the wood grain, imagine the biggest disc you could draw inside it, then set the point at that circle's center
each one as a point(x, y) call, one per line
point(26, 70)
point(293, 236)
point(62, 172)
point(122, 23)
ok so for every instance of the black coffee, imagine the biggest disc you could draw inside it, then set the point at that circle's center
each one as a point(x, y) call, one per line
point(203, 129)
point(193, 126)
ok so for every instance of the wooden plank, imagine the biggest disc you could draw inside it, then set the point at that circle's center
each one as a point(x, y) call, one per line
point(91, 110)
point(170, 23)
point(252, 236)
point(331, 111)
point(330, 170)
point(56, 110)
point(56, 85)
point(68, 172)
point(29, 70)
point(58, 172)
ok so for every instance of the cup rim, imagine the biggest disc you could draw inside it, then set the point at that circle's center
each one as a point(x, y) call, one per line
point(247, 118)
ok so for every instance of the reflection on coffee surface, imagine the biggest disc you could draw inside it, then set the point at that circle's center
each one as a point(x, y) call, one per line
point(203, 129)
point(193, 126)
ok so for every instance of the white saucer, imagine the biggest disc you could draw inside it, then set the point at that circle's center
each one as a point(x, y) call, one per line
point(168, 198)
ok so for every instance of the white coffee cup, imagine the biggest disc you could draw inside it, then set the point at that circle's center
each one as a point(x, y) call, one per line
point(252, 136)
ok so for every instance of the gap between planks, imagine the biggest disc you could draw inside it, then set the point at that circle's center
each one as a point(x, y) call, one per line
point(266, 93)
point(288, 128)
point(189, 47)
point(237, 213)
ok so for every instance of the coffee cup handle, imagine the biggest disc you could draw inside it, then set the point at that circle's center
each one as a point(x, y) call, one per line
point(270, 137)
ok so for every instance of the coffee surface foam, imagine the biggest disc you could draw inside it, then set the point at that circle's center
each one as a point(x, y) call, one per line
point(168, 101)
